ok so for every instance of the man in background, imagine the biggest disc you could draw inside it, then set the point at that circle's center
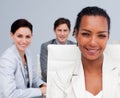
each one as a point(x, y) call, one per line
point(62, 28)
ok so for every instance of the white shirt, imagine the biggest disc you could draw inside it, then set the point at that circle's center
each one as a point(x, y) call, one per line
point(90, 95)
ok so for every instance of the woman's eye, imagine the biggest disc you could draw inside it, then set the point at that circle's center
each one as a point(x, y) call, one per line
point(20, 36)
point(85, 34)
point(28, 36)
point(102, 36)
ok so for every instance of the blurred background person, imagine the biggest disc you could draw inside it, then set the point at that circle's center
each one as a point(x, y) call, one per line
point(62, 28)
point(18, 78)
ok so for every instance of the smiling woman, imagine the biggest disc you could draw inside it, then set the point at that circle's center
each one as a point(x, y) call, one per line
point(22, 38)
point(92, 75)
point(92, 36)
point(17, 73)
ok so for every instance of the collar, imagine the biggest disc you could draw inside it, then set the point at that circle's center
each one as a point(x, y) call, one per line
point(59, 42)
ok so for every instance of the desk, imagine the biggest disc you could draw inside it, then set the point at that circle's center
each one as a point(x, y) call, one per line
point(40, 97)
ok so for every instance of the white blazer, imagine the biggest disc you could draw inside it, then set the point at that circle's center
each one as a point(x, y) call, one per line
point(71, 84)
point(12, 76)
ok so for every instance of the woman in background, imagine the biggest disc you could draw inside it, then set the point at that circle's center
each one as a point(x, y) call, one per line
point(18, 78)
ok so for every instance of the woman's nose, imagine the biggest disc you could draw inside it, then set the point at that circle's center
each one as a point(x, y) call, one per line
point(93, 41)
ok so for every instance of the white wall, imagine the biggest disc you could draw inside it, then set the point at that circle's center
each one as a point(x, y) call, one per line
point(43, 13)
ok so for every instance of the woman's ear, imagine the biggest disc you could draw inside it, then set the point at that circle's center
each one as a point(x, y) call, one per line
point(109, 36)
point(54, 30)
point(11, 35)
point(75, 33)
point(76, 36)
point(70, 30)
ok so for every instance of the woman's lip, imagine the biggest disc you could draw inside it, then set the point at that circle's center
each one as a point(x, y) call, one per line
point(92, 50)
point(23, 45)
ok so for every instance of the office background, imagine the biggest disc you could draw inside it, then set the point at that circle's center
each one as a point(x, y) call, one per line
point(43, 13)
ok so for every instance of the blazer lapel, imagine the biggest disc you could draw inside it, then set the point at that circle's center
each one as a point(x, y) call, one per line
point(20, 63)
point(109, 78)
point(22, 70)
point(78, 82)
point(29, 69)
point(78, 86)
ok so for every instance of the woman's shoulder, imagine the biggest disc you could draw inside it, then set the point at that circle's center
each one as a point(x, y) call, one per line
point(11, 51)
point(10, 55)
point(9, 58)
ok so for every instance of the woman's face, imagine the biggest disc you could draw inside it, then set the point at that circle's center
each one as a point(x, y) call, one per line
point(22, 38)
point(62, 32)
point(92, 36)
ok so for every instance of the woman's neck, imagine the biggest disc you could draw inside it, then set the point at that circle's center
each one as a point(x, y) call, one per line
point(93, 65)
point(93, 74)
point(23, 58)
